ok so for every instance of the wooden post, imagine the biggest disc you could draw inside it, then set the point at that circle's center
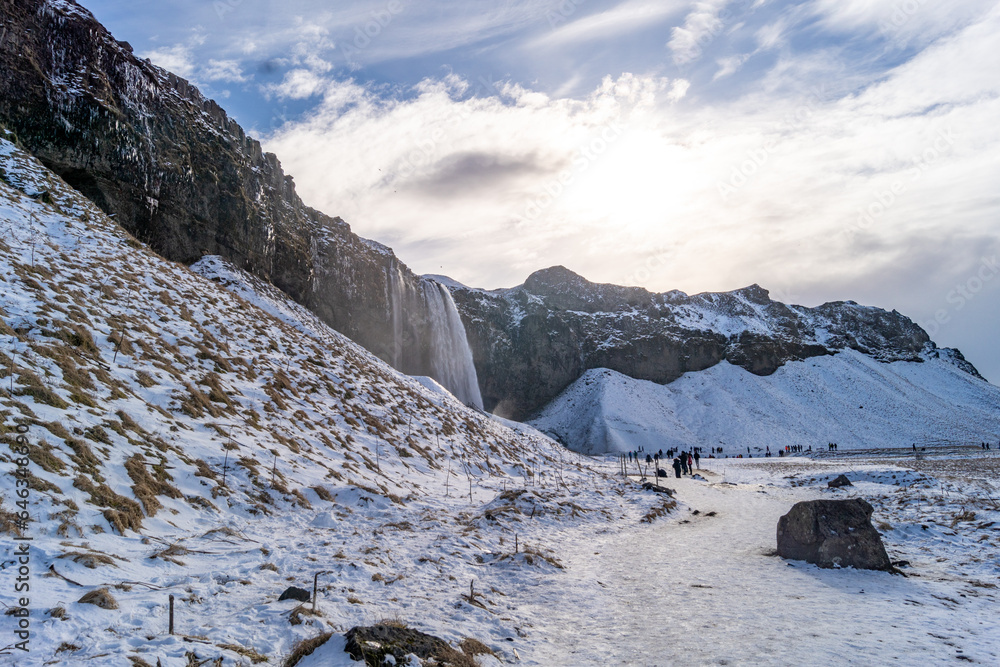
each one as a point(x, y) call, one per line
point(315, 588)
point(515, 543)
point(274, 469)
point(225, 467)
point(171, 614)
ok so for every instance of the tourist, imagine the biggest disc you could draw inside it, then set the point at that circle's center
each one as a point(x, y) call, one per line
point(697, 458)
point(677, 467)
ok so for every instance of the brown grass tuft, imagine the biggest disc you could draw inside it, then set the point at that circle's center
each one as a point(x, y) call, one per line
point(101, 598)
point(305, 648)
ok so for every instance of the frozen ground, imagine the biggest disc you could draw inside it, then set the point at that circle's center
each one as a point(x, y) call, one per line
point(701, 589)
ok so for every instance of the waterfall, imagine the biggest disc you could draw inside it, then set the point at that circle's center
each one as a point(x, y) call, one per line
point(428, 337)
point(450, 355)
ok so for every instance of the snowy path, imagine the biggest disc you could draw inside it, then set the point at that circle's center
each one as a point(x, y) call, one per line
point(706, 592)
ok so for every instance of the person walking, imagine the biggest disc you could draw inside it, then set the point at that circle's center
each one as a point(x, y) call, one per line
point(677, 467)
point(697, 459)
point(684, 464)
point(690, 463)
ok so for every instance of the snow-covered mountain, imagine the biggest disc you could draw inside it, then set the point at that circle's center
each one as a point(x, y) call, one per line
point(147, 147)
point(848, 398)
point(198, 434)
point(532, 341)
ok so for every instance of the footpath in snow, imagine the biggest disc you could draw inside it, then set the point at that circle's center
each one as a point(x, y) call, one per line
point(703, 588)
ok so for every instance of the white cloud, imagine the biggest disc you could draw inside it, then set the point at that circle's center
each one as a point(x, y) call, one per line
point(730, 65)
point(223, 70)
point(297, 84)
point(177, 59)
point(701, 26)
point(900, 20)
point(625, 18)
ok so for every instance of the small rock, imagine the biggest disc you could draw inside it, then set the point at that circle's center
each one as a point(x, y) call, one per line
point(295, 593)
point(839, 482)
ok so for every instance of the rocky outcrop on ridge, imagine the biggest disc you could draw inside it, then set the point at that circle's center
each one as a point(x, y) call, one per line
point(532, 341)
point(179, 174)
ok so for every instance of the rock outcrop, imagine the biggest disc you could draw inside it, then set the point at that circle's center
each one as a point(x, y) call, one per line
point(832, 533)
point(532, 341)
point(148, 148)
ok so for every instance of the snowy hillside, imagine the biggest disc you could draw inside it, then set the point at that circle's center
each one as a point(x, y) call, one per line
point(848, 398)
point(203, 437)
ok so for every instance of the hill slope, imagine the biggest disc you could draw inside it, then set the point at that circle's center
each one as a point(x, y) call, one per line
point(175, 171)
point(847, 398)
point(211, 440)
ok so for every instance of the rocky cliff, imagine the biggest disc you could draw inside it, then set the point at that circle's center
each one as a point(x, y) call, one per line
point(532, 341)
point(174, 170)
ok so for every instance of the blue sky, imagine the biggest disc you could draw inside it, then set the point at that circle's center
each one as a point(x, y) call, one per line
point(825, 149)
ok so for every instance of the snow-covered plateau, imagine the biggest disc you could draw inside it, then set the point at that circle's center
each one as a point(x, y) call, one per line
point(194, 435)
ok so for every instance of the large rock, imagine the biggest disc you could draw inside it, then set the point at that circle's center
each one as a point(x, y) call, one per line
point(374, 643)
point(832, 533)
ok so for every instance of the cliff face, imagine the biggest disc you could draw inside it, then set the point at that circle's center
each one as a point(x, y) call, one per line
point(532, 341)
point(180, 175)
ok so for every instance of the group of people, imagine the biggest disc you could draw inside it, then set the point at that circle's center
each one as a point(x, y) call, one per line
point(684, 463)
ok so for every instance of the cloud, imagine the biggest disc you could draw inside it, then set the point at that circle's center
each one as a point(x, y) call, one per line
point(177, 59)
point(297, 84)
point(223, 70)
point(902, 21)
point(626, 17)
point(877, 186)
point(730, 65)
point(701, 26)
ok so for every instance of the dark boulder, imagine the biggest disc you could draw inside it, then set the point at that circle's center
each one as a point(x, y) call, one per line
point(839, 482)
point(373, 643)
point(832, 533)
point(295, 593)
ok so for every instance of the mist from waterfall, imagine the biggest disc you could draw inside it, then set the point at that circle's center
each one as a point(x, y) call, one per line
point(451, 356)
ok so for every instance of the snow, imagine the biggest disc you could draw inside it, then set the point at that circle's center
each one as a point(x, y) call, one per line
point(848, 398)
point(701, 589)
point(401, 497)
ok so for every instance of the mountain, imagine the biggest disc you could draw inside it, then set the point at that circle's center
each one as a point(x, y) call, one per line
point(175, 171)
point(195, 433)
point(532, 341)
point(848, 398)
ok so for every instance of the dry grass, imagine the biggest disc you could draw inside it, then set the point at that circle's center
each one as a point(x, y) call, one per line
point(33, 386)
point(83, 457)
point(250, 653)
point(323, 493)
point(8, 522)
point(473, 647)
point(305, 648)
point(657, 511)
point(124, 513)
point(42, 455)
point(89, 559)
point(146, 487)
point(101, 598)
point(205, 471)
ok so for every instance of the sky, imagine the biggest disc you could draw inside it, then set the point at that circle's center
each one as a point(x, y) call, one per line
point(824, 149)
